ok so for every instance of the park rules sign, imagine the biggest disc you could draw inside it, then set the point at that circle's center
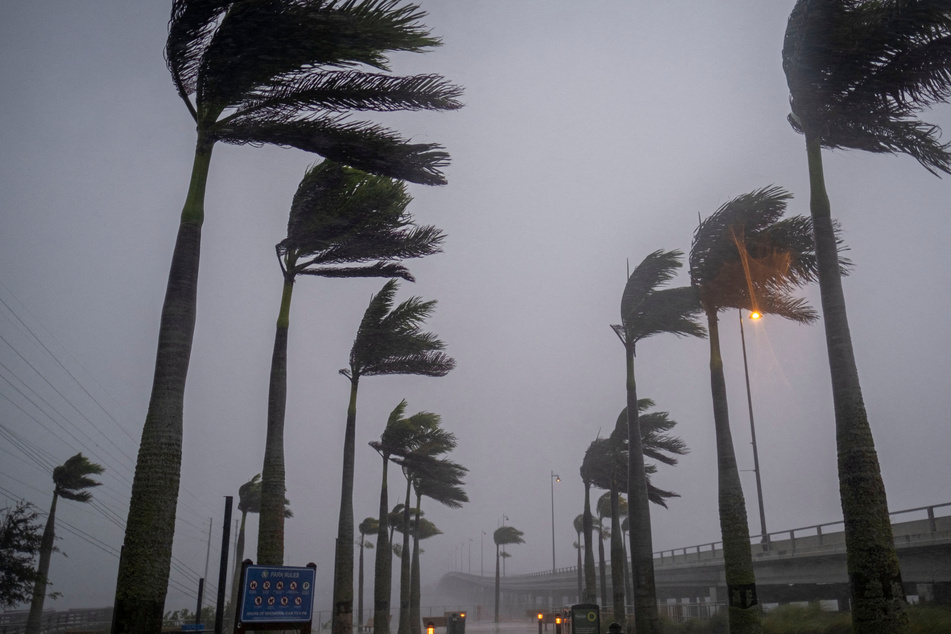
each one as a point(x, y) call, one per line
point(277, 594)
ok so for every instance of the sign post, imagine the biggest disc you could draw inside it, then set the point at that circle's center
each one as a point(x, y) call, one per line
point(275, 598)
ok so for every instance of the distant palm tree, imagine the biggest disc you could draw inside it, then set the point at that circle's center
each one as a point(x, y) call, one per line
point(249, 501)
point(441, 481)
point(369, 525)
point(647, 310)
point(401, 436)
point(503, 535)
point(282, 73)
point(858, 75)
point(343, 223)
point(389, 341)
point(70, 481)
point(745, 256)
point(588, 472)
point(579, 546)
point(602, 505)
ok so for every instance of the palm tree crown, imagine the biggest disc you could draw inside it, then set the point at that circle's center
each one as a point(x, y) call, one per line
point(288, 73)
point(859, 72)
point(71, 479)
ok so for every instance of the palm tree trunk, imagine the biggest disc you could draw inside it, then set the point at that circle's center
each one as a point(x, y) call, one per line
point(271, 522)
point(580, 565)
point(34, 621)
point(343, 559)
point(498, 583)
point(236, 576)
point(628, 583)
point(381, 573)
point(590, 578)
point(144, 564)
point(360, 587)
point(878, 600)
point(646, 618)
point(743, 607)
point(405, 579)
point(602, 564)
point(617, 559)
point(415, 617)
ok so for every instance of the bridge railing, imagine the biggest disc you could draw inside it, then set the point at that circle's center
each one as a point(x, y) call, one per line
point(818, 537)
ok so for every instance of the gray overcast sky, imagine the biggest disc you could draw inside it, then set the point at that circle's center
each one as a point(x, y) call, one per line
point(593, 133)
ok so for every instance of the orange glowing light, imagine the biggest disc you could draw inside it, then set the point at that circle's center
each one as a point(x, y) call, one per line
point(755, 315)
point(540, 616)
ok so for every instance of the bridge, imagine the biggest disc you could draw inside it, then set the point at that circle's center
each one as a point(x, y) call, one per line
point(800, 564)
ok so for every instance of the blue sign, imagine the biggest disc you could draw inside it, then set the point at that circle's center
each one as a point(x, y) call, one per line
point(277, 594)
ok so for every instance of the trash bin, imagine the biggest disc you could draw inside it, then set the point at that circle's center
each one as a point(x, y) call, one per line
point(586, 618)
point(456, 623)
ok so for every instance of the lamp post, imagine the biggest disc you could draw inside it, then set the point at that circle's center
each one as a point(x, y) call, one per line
point(554, 479)
point(749, 402)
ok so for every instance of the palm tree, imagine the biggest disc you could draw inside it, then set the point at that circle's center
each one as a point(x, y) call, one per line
point(744, 256)
point(441, 481)
point(249, 501)
point(603, 533)
point(613, 506)
point(578, 524)
point(858, 75)
point(422, 529)
point(588, 473)
point(401, 436)
point(503, 536)
point(421, 462)
point(343, 223)
point(367, 526)
point(70, 481)
point(283, 73)
point(647, 310)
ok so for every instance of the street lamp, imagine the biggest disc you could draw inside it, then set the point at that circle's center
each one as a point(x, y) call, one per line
point(554, 479)
point(754, 315)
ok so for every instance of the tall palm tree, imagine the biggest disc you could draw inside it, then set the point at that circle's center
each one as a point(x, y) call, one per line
point(503, 536)
point(401, 436)
point(249, 501)
point(283, 73)
point(858, 74)
point(343, 223)
point(603, 533)
point(744, 256)
point(70, 481)
point(441, 481)
point(369, 525)
point(646, 310)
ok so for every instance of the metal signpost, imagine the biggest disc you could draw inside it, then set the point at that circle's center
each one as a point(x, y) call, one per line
point(275, 598)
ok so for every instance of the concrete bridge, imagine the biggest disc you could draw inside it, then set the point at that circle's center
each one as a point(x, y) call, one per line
point(801, 564)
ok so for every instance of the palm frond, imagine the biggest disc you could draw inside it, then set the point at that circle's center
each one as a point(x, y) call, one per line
point(655, 270)
point(504, 535)
point(342, 91)
point(71, 478)
point(366, 146)
point(190, 29)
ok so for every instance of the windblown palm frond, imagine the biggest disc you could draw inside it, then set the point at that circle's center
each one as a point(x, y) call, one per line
point(71, 479)
point(286, 73)
point(859, 72)
point(504, 535)
point(745, 256)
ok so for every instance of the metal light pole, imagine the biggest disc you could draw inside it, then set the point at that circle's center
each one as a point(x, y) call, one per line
point(554, 479)
point(749, 402)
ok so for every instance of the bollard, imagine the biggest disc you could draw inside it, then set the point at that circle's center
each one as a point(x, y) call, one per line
point(541, 617)
point(614, 628)
point(557, 624)
point(430, 628)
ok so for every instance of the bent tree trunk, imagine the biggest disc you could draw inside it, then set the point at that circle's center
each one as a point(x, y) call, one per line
point(34, 620)
point(343, 559)
point(271, 526)
point(878, 600)
point(646, 620)
point(381, 574)
point(743, 607)
point(146, 556)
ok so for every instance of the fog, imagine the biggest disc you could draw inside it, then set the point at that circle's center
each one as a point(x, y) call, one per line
point(593, 134)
